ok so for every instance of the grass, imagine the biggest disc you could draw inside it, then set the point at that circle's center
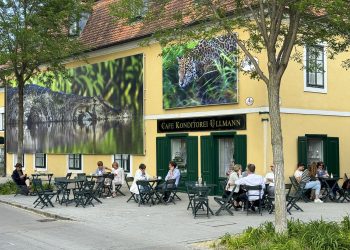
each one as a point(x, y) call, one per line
point(311, 235)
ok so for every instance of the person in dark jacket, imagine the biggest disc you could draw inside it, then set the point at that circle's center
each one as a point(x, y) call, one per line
point(20, 178)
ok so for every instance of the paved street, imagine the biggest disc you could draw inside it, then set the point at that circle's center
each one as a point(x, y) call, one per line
point(116, 224)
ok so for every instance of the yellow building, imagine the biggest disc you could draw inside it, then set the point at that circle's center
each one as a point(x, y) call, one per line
point(205, 138)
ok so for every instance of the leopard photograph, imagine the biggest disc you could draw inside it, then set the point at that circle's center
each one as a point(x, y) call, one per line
point(200, 73)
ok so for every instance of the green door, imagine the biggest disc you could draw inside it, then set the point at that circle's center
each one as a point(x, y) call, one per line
point(192, 161)
point(332, 155)
point(302, 150)
point(207, 159)
point(163, 156)
point(240, 153)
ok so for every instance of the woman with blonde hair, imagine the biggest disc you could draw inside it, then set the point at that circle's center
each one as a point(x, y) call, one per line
point(235, 175)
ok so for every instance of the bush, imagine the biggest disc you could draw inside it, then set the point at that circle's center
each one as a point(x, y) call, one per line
point(8, 187)
point(317, 234)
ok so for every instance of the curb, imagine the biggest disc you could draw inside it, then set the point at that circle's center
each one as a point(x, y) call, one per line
point(46, 214)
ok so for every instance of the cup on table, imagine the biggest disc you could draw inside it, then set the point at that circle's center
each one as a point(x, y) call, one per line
point(159, 177)
point(197, 183)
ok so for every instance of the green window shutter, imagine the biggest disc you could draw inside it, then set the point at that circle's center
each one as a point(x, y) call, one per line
point(302, 149)
point(240, 148)
point(332, 155)
point(192, 158)
point(163, 156)
point(207, 159)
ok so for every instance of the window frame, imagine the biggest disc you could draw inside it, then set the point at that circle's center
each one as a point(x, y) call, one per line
point(80, 162)
point(35, 156)
point(121, 161)
point(311, 87)
point(2, 121)
point(15, 161)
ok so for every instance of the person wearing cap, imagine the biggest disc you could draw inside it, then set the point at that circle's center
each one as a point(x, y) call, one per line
point(21, 179)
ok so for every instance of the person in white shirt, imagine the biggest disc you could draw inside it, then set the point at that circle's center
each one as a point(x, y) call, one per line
point(118, 177)
point(299, 172)
point(251, 179)
point(270, 180)
point(139, 175)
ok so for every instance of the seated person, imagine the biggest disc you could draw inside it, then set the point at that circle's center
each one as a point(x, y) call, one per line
point(101, 169)
point(322, 173)
point(311, 181)
point(21, 179)
point(139, 175)
point(251, 179)
point(236, 173)
point(299, 172)
point(270, 180)
point(118, 177)
point(173, 173)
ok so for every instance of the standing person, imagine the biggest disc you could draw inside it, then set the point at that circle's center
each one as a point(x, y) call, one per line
point(20, 178)
point(251, 179)
point(299, 172)
point(270, 180)
point(118, 177)
point(311, 182)
point(139, 175)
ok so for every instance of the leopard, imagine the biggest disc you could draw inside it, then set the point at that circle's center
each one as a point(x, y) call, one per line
point(201, 59)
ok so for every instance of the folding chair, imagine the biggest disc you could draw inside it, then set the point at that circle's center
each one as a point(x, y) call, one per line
point(44, 197)
point(68, 176)
point(259, 196)
point(129, 180)
point(201, 201)
point(107, 184)
point(146, 192)
point(296, 185)
point(344, 192)
point(85, 194)
point(288, 188)
point(175, 191)
point(293, 198)
point(21, 189)
point(168, 188)
point(190, 193)
point(225, 203)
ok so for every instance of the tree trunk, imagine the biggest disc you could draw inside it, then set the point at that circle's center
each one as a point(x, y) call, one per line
point(20, 121)
point(277, 151)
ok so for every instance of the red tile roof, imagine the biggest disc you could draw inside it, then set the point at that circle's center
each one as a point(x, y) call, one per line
point(102, 31)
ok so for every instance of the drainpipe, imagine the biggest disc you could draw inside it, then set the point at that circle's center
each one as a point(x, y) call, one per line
point(265, 124)
point(5, 126)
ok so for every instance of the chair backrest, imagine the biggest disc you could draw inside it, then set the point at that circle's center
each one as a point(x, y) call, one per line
point(129, 180)
point(294, 182)
point(143, 186)
point(229, 197)
point(38, 186)
point(81, 176)
point(222, 185)
point(170, 184)
point(288, 188)
point(68, 175)
point(257, 194)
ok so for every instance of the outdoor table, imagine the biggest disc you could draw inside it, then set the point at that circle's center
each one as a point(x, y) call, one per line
point(63, 183)
point(330, 184)
point(203, 189)
point(48, 175)
point(153, 182)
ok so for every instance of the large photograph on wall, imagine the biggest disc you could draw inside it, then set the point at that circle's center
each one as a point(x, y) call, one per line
point(97, 109)
point(200, 73)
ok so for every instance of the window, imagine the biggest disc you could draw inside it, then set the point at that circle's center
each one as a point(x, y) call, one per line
point(226, 150)
point(2, 121)
point(78, 26)
point(74, 162)
point(15, 160)
point(40, 160)
point(179, 154)
point(315, 69)
point(123, 161)
point(315, 150)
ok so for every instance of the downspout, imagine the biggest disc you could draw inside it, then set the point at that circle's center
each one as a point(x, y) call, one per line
point(265, 124)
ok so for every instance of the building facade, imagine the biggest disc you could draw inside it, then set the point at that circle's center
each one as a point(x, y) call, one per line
point(204, 136)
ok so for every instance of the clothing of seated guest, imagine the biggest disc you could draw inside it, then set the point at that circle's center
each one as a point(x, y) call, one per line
point(173, 174)
point(118, 176)
point(311, 182)
point(270, 180)
point(252, 180)
point(20, 178)
point(139, 176)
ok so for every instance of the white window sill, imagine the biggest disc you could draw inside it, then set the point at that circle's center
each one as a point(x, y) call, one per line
point(315, 90)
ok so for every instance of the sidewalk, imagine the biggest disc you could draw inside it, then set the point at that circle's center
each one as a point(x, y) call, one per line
point(172, 224)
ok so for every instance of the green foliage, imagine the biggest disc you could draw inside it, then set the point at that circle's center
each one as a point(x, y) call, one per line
point(8, 187)
point(313, 235)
